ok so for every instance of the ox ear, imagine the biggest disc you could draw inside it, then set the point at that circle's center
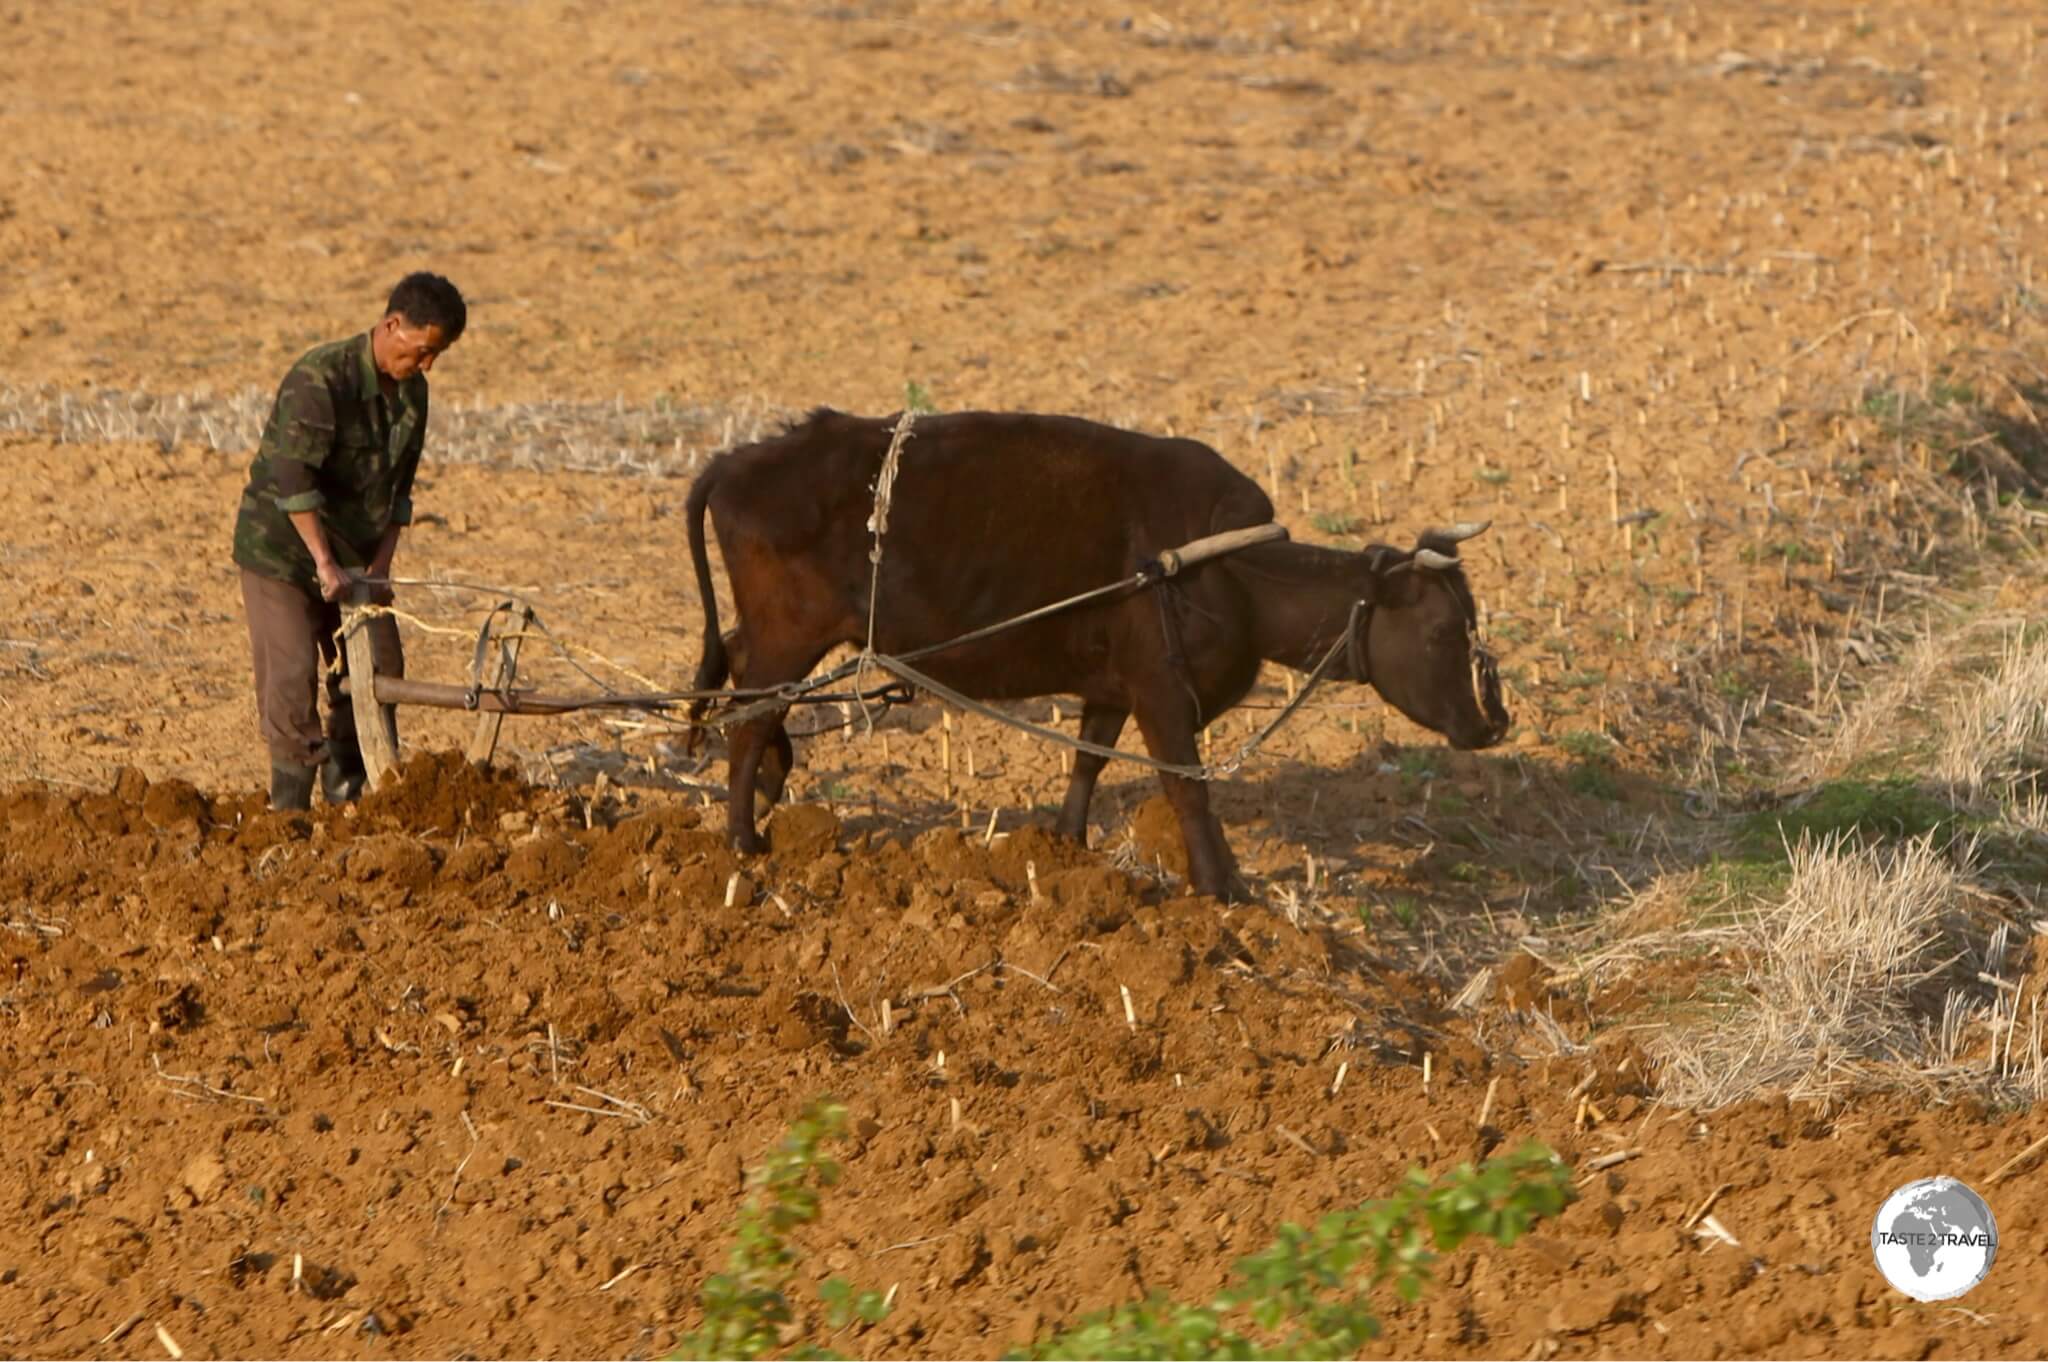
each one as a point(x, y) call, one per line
point(1394, 572)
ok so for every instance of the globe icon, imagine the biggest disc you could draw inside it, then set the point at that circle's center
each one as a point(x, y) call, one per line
point(1934, 1239)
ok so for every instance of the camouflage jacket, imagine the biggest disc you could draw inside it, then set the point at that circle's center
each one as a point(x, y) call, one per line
point(333, 444)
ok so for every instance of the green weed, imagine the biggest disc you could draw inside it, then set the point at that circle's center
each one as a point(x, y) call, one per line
point(1308, 1295)
point(1891, 809)
point(1585, 744)
point(1739, 880)
point(746, 1307)
point(1514, 631)
point(1790, 550)
point(1415, 766)
point(1593, 780)
point(1733, 685)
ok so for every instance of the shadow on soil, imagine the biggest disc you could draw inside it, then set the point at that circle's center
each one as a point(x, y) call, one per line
point(1423, 846)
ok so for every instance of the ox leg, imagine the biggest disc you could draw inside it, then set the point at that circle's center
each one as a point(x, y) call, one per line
point(1100, 725)
point(759, 755)
point(744, 749)
point(1171, 737)
point(778, 759)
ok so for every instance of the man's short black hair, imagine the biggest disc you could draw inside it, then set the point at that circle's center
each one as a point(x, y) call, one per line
point(429, 300)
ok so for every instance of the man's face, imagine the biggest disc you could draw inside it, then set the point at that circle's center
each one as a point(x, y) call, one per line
point(403, 349)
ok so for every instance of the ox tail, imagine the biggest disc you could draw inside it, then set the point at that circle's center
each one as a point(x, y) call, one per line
point(716, 667)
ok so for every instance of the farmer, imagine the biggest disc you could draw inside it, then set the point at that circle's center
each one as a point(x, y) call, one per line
point(329, 490)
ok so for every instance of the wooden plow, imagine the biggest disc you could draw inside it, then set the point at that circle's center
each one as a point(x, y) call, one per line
point(376, 705)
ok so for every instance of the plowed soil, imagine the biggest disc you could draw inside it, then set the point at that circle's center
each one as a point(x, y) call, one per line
point(485, 1078)
point(1682, 298)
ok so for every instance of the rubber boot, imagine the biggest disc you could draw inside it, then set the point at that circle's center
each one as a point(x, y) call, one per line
point(342, 777)
point(291, 787)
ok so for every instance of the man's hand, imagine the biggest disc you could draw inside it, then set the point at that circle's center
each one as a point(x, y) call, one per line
point(335, 580)
point(380, 564)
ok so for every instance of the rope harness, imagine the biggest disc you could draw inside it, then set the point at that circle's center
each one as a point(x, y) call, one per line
point(756, 702)
point(878, 525)
point(1205, 771)
point(1351, 645)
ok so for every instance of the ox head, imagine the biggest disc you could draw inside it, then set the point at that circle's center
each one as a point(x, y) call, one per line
point(1420, 644)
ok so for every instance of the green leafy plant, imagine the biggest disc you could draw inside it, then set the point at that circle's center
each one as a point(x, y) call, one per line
point(1308, 1295)
point(916, 399)
point(747, 1307)
point(1330, 522)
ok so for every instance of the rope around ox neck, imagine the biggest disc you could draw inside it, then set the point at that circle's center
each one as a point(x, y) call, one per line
point(878, 523)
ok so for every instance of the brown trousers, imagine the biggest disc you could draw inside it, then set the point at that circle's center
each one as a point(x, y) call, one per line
point(291, 637)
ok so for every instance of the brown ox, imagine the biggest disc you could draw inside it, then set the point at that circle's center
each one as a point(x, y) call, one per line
point(997, 514)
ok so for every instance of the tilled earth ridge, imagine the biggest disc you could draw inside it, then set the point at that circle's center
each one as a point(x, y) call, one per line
point(482, 1066)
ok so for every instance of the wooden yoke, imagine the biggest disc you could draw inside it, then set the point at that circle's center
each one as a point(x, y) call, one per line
point(376, 723)
point(1216, 545)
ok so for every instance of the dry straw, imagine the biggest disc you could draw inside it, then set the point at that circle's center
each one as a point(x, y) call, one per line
point(1829, 997)
point(660, 438)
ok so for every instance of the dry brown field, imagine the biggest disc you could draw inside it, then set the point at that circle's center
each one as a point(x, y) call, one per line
point(1729, 318)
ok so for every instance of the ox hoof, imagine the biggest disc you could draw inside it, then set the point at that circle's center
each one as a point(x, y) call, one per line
point(1232, 890)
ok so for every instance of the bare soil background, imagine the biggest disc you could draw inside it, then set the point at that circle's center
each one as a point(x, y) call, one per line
point(1747, 280)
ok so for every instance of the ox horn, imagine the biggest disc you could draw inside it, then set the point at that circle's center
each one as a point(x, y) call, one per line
point(1434, 561)
point(1459, 533)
